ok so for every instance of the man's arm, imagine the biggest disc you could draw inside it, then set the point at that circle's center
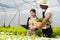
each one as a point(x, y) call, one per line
point(47, 17)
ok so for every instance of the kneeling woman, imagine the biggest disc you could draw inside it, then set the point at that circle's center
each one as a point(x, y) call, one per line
point(30, 22)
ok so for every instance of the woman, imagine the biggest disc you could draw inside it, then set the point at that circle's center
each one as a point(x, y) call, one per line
point(30, 22)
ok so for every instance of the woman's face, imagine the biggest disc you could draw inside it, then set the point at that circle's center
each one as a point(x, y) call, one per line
point(32, 13)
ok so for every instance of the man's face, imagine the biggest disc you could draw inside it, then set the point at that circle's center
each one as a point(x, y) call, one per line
point(43, 6)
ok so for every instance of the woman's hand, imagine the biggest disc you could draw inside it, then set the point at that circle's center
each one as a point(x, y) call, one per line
point(37, 25)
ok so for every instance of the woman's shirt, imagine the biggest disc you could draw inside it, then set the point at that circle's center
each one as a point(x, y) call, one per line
point(31, 22)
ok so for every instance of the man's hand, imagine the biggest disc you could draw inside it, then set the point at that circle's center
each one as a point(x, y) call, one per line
point(39, 26)
point(47, 17)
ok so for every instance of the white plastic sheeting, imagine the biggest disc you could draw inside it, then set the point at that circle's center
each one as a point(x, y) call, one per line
point(16, 12)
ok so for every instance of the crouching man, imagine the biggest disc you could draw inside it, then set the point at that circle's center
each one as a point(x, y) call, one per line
point(47, 15)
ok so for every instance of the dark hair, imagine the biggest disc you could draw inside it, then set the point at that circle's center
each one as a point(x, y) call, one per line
point(33, 10)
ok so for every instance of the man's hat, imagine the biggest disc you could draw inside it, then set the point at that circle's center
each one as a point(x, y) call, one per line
point(42, 2)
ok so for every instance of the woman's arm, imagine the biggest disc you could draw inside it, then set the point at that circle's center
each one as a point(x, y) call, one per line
point(28, 23)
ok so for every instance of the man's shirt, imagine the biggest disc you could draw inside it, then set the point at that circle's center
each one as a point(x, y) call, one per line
point(55, 17)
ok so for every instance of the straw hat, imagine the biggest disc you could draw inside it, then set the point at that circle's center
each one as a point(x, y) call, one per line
point(42, 2)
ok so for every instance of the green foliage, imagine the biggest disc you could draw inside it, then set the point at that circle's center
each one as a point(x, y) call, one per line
point(39, 32)
point(23, 31)
point(14, 30)
point(56, 31)
point(39, 20)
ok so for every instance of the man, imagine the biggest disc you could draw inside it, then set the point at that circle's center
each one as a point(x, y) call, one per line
point(47, 16)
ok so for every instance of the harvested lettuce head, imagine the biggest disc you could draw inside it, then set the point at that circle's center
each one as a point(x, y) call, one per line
point(39, 20)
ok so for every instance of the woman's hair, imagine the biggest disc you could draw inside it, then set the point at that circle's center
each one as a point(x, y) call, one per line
point(33, 10)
